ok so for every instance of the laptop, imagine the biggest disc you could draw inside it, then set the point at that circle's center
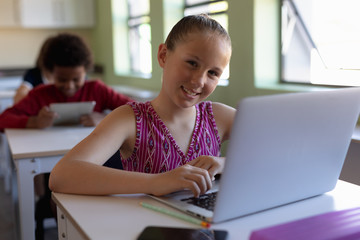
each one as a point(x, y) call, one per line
point(283, 148)
point(69, 113)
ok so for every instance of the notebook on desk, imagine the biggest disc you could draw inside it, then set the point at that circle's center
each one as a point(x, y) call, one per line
point(283, 148)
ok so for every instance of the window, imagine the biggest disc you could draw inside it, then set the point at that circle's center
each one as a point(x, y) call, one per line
point(139, 36)
point(321, 42)
point(217, 10)
point(132, 53)
point(132, 31)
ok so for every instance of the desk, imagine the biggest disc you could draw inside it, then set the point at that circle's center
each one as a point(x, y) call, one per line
point(121, 216)
point(36, 151)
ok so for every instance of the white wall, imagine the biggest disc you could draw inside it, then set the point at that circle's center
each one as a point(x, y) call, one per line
point(19, 47)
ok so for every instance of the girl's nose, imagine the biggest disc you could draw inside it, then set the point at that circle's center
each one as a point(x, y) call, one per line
point(199, 79)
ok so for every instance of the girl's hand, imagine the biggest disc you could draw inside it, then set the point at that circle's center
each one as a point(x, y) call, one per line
point(92, 119)
point(214, 165)
point(188, 177)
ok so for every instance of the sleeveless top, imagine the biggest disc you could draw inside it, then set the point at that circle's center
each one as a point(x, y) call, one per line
point(155, 149)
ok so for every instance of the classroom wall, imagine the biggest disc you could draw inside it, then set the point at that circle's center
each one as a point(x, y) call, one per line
point(253, 27)
point(104, 46)
point(19, 47)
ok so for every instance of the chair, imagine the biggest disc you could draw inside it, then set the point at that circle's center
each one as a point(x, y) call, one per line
point(46, 208)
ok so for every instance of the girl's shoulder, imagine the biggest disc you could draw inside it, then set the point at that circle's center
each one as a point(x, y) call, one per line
point(136, 104)
point(224, 116)
point(222, 108)
point(122, 116)
point(216, 108)
point(140, 107)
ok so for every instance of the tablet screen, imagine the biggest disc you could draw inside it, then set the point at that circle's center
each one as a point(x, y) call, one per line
point(70, 113)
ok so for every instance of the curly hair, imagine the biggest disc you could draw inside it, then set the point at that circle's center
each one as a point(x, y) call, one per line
point(65, 50)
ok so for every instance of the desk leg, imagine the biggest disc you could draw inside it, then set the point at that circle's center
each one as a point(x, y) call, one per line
point(5, 162)
point(66, 229)
point(61, 219)
point(25, 171)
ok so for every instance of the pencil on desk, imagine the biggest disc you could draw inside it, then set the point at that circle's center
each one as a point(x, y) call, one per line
point(175, 214)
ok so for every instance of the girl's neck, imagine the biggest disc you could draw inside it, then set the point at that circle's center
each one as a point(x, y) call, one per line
point(171, 113)
point(179, 121)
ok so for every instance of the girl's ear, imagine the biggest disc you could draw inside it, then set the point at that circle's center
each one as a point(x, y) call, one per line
point(162, 51)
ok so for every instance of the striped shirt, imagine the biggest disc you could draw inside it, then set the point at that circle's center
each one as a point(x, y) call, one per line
point(155, 149)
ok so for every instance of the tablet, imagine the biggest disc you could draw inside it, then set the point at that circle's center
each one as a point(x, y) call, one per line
point(70, 113)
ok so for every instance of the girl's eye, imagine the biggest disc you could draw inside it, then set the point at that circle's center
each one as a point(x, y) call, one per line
point(213, 73)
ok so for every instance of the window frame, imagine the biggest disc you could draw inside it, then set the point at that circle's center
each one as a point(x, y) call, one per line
point(315, 66)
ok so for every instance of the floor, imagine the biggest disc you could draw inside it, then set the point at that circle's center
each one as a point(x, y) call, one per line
point(7, 218)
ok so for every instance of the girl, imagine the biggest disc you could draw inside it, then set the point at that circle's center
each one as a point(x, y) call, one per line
point(171, 143)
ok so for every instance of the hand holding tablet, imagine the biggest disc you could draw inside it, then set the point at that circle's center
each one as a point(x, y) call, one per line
point(70, 113)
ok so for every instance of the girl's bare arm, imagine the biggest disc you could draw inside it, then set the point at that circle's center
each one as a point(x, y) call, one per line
point(80, 171)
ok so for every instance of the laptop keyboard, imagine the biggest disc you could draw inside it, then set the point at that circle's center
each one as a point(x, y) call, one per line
point(206, 201)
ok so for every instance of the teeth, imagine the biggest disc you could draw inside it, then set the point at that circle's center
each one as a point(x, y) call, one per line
point(189, 92)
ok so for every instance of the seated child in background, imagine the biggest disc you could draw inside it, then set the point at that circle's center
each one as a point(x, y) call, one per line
point(34, 76)
point(170, 143)
point(66, 59)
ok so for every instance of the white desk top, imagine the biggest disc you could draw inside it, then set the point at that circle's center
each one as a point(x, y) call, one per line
point(29, 143)
point(121, 216)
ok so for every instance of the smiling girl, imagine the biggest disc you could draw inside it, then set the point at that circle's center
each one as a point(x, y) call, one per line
point(170, 143)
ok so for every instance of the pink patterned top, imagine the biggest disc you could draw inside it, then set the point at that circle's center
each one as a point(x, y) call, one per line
point(155, 149)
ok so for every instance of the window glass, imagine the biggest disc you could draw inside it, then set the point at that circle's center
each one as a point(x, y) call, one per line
point(120, 39)
point(140, 45)
point(138, 7)
point(139, 36)
point(132, 37)
point(210, 7)
point(218, 11)
point(321, 42)
point(192, 2)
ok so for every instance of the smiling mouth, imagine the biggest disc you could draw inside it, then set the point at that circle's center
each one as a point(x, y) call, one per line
point(189, 91)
